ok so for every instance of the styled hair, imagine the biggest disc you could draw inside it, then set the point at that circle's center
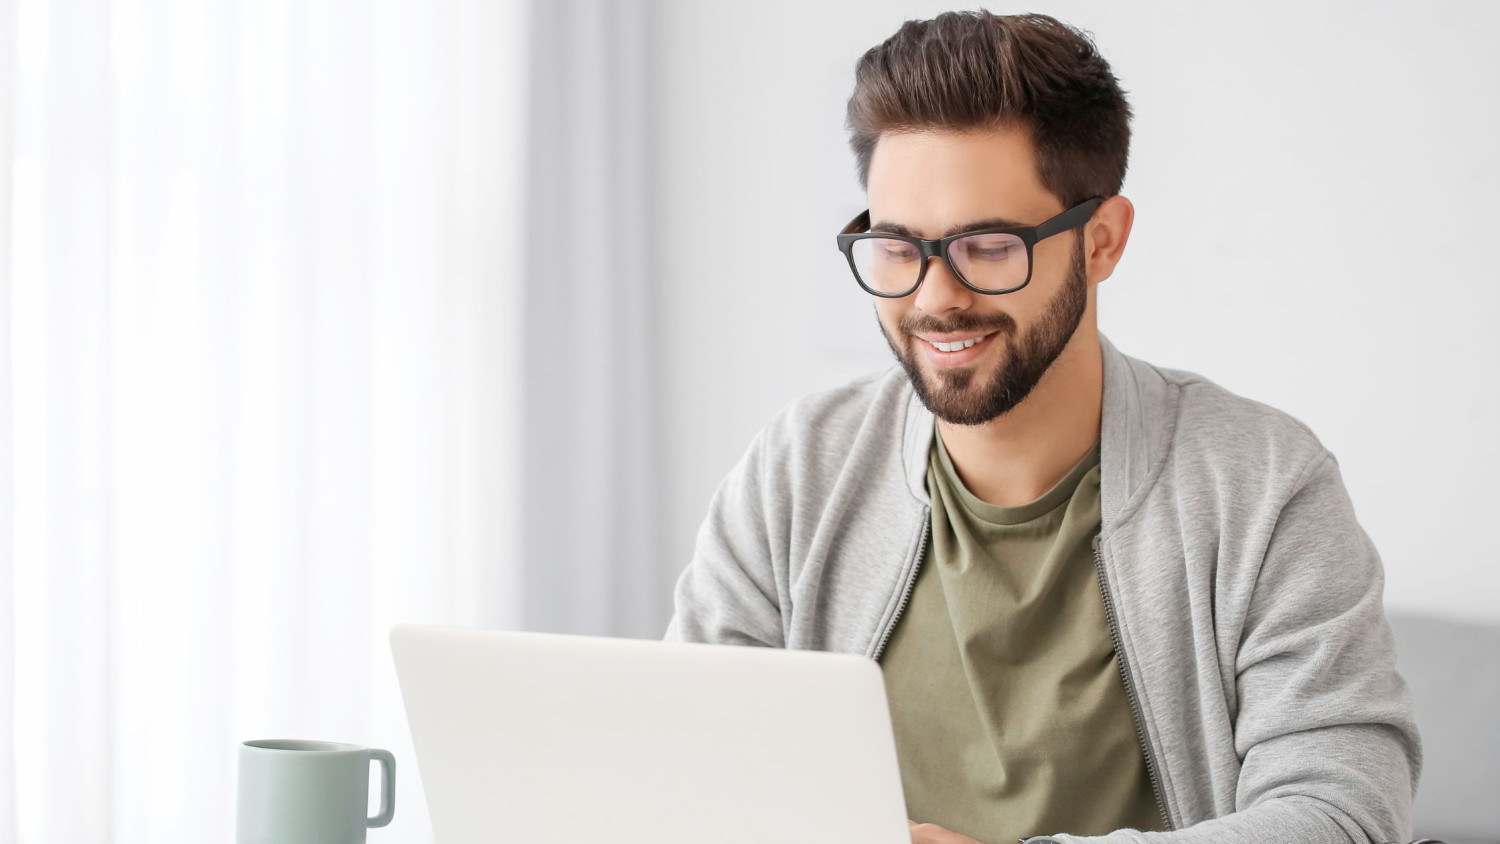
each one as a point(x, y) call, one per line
point(965, 71)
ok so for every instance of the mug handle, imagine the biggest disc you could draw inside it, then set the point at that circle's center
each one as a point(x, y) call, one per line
point(387, 789)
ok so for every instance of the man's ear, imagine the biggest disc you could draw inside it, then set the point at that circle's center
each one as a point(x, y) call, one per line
point(1105, 236)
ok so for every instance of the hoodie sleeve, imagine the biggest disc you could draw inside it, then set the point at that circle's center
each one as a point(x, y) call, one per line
point(729, 594)
point(1325, 731)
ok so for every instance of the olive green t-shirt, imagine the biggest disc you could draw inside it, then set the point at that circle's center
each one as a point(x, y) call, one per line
point(1009, 709)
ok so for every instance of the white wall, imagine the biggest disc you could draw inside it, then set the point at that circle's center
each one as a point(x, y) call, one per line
point(1316, 199)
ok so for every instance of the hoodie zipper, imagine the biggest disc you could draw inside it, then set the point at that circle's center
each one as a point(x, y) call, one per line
point(1130, 694)
point(911, 582)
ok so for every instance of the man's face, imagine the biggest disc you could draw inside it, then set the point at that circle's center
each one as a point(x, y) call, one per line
point(933, 184)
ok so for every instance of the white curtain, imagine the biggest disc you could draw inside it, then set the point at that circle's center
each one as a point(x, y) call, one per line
point(260, 294)
point(593, 510)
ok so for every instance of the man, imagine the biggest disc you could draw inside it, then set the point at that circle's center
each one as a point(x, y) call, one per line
point(1109, 599)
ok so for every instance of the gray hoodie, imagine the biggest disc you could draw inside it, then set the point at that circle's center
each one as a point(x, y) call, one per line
point(1244, 598)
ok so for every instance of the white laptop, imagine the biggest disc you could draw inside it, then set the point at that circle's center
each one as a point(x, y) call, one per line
point(541, 737)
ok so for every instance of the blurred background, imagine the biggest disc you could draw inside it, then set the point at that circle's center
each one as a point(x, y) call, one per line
point(321, 315)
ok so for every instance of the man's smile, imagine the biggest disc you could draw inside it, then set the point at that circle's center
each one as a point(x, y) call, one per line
point(948, 350)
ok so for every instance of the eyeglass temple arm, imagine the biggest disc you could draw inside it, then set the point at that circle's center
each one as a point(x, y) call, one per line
point(1069, 219)
point(858, 224)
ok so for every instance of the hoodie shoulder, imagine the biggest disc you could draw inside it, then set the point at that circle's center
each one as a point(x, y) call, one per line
point(839, 413)
point(1238, 436)
point(853, 429)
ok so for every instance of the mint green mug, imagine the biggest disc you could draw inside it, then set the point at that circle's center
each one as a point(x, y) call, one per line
point(310, 792)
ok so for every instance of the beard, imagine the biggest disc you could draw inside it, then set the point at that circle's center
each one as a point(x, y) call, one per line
point(957, 396)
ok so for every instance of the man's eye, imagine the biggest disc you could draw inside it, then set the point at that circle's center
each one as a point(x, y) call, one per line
point(896, 252)
point(991, 249)
point(992, 254)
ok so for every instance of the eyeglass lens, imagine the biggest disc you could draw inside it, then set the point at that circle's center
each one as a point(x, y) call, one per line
point(994, 261)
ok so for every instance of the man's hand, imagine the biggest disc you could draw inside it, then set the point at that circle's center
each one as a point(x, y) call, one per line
point(931, 833)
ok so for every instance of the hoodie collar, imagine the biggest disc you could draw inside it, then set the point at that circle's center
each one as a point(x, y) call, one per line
point(1137, 419)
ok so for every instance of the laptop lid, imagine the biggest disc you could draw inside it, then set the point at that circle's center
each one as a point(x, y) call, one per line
point(545, 737)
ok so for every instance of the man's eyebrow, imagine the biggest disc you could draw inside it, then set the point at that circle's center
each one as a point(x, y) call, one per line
point(977, 225)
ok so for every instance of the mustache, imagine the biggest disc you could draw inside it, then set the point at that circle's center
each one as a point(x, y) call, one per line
point(963, 321)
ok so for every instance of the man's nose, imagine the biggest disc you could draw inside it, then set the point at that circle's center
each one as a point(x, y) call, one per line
point(940, 290)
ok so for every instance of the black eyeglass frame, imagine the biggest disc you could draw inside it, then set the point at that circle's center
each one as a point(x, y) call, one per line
point(858, 229)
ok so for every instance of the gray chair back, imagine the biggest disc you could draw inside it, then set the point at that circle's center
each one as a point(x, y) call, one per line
point(1453, 668)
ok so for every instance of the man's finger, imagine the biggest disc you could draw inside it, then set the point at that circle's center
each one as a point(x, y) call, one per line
point(928, 833)
point(925, 833)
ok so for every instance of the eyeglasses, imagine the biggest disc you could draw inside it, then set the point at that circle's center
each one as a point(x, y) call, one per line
point(990, 261)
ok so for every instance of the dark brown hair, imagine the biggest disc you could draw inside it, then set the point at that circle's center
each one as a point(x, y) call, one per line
point(975, 70)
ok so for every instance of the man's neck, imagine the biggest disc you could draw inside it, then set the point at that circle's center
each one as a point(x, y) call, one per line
point(1015, 459)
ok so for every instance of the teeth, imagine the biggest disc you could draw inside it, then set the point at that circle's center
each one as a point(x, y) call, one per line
point(953, 347)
